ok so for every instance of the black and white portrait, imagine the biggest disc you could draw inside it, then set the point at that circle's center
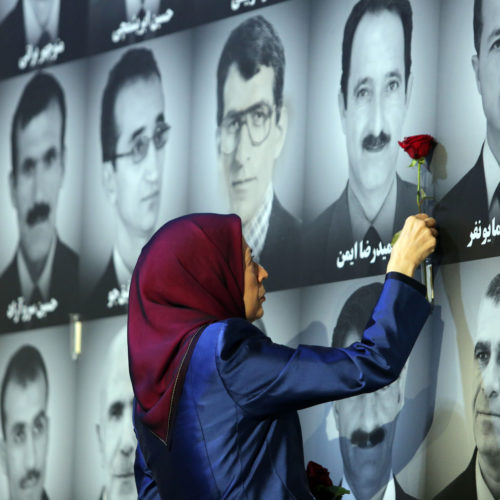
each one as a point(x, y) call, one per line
point(37, 409)
point(137, 162)
point(469, 212)
point(41, 183)
point(474, 435)
point(253, 164)
point(364, 79)
point(36, 33)
point(106, 442)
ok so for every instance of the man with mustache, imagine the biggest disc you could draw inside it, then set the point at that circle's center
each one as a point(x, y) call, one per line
point(375, 88)
point(251, 130)
point(481, 479)
point(134, 133)
point(367, 423)
point(44, 270)
point(115, 433)
point(25, 425)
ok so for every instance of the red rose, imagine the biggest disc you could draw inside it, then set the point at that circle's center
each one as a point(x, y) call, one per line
point(418, 146)
point(317, 475)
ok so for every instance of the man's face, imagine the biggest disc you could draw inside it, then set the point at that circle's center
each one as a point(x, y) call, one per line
point(487, 70)
point(248, 170)
point(115, 432)
point(26, 438)
point(135, 187)
point(42, 10)
point(376, 101)
point(487, 373)
point(35, 189)
point(366, 425)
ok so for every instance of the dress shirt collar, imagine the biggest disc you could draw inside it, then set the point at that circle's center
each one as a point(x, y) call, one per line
point(483, 492)
point(491, 171)
point(389, 493)
point(255, 230)
point(384, 220)
point(32, 27)
point(43, 283)
point(123, 274)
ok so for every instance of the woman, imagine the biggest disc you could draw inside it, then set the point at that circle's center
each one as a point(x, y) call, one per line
point(216, 399)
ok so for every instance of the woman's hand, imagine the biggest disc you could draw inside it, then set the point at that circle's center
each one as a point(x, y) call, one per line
point(416, 241)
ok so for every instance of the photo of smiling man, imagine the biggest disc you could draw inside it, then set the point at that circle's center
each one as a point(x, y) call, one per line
point(375, 88)
point(39, 285)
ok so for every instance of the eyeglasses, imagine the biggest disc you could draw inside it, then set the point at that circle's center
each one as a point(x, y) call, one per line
point(258, 121)
point(140, 144)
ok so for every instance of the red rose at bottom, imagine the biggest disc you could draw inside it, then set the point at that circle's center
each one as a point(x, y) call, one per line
point(317, 475)
point(418, 146)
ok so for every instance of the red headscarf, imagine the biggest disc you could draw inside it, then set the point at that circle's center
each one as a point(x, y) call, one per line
point(188, 275)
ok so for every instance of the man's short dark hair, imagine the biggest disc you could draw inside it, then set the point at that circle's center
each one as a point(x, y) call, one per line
point(400, 7)
point(356, 313)
point(493, 291)
point(252, 44)
point(38, 94)
point(134, 64)
point(25, 366)
point(478, 24)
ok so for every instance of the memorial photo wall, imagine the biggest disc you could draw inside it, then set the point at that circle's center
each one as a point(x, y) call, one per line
point(118, 116)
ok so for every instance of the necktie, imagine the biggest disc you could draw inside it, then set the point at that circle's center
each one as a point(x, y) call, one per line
point(494, 210)
point(36, 296)
point(44, 39)
point(372, 237)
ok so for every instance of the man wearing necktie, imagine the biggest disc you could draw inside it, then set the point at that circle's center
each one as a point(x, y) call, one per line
point(44, 270)
point(32, 26)
point(375, 88)
point(473, 203)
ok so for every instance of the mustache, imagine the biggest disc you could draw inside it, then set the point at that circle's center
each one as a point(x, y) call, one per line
point(371, 142)
point(31, 475)
point(39, 212)
point(368, 439)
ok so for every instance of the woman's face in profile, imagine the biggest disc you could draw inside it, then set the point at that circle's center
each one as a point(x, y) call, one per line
point(254, 291)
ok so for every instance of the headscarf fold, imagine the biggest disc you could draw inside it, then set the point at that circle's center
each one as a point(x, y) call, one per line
point(190, 274)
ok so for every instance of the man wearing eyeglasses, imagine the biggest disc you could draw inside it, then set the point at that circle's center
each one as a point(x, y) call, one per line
point(39, 285)
point(133, 137)
point(252, 125)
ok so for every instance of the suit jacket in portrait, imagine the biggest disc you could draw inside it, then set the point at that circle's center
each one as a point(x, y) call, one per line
point(281, 248)
point(63, 287)
point(97, 303)
point(71, 30)
point(331, 232)
point(105, 18)
point(456, 215)
point(463, 487)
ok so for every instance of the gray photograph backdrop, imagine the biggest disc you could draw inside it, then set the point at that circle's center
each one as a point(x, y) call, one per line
point(54, 346)
point(435, 105)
